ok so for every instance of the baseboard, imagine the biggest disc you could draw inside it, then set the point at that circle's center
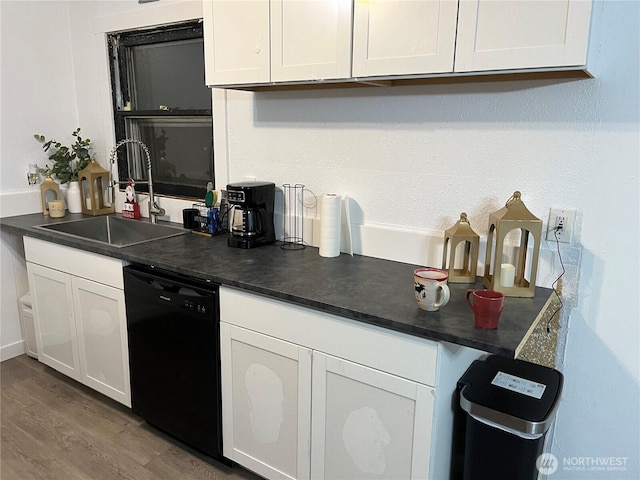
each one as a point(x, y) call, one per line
point(12, 350)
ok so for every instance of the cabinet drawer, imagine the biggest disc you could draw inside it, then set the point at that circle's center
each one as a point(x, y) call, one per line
point(409, 357)
point(92, 266)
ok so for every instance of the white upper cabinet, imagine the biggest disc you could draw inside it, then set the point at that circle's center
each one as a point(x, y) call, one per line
point(310, 40)
point(510, 34)
point(236, 41)
point(253, 42)
point(262, 41)
point(401, 37)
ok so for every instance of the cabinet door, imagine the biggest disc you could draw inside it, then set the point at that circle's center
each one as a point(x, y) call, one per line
point(54, 319)
point(102, 338)
point(266, 403)
point(236, 41)
point(368, 424)
point(310, 39)
point(396, 37)
point(508, 34)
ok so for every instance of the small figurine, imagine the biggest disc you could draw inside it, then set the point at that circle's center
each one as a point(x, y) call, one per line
point(131, 208)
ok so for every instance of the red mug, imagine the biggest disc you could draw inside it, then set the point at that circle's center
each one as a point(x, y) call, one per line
point(487, 306)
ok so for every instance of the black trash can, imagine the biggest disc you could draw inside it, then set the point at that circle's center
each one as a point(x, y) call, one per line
point(509, 407)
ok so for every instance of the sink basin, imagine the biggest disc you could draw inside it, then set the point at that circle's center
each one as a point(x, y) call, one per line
point(114, 231)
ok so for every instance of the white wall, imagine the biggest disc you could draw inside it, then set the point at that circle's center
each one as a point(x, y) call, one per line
point(413, 158)
point(38, 88)
point(37, 94)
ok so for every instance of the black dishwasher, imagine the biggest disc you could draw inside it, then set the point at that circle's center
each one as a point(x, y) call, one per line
point(174, 355)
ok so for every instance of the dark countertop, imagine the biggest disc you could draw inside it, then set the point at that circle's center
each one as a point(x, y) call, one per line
point(375, 291)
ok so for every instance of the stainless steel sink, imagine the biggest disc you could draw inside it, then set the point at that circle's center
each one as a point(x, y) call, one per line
point(114, 231)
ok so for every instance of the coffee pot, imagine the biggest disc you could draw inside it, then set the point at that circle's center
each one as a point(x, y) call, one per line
point(251, 214)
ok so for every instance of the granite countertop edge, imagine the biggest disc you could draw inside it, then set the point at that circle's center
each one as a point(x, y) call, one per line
point(410, 323)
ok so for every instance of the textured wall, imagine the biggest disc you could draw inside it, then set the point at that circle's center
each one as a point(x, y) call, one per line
point(38, 91)
point(417, 156)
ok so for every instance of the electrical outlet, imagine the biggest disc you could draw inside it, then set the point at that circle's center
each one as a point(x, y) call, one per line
point(561, 220)
point(250, 178)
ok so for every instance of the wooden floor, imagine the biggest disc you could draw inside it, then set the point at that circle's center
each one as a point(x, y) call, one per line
point(55, 428)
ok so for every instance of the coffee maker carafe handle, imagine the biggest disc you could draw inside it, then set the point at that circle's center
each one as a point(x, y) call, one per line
point(236, 222)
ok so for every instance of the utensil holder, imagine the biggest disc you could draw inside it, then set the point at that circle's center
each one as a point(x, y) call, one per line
point(293, 217)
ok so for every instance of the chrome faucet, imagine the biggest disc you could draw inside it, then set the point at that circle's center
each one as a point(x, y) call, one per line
point(155, 210)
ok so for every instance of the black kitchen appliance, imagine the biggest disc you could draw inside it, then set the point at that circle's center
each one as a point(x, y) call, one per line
point(508, 404)
point(251, 214)
point(174, 355)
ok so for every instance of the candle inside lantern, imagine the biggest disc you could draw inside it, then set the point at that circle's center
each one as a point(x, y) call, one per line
point(507, 275)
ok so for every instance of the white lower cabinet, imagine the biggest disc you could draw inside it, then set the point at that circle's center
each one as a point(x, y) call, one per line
point(307, 394)
point(80, 323)
point(266, 403)
point(367, 423)
point(102, 338)
point(54, 319)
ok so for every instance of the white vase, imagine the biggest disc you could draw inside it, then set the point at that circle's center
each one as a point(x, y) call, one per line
point(74, 200)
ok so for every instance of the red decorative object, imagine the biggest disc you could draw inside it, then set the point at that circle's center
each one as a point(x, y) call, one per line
point(131, 208)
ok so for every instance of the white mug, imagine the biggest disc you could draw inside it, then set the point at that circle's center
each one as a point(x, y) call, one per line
point(432, 291)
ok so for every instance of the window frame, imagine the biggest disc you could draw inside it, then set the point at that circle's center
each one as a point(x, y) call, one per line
point(117, 44)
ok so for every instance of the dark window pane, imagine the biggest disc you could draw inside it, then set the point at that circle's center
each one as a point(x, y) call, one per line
point(181, 149)
point(160, 98)
point(170, 74)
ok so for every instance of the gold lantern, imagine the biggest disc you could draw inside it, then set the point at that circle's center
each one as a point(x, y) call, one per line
point(461, 233)
point(94, 184)
point(49, 190)
point(509, 277)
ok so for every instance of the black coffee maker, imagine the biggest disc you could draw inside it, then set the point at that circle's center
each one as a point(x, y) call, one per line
point(251, 214)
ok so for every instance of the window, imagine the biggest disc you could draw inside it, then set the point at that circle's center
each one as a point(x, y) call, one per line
point(160, 98)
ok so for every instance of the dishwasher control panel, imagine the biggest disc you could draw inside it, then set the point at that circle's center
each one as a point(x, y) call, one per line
point(195, 306)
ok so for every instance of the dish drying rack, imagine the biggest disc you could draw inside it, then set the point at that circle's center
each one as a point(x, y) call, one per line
point(208, 220)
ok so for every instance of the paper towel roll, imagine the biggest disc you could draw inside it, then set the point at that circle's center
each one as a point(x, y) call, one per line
point(331, 209)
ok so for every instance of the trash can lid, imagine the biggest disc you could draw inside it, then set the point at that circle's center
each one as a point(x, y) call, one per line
point(511, 393)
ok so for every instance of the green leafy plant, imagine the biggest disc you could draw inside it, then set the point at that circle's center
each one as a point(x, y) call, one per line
point(67, 161)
